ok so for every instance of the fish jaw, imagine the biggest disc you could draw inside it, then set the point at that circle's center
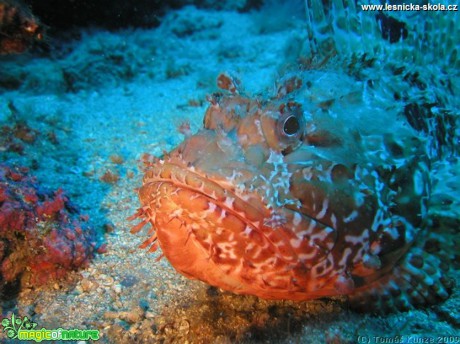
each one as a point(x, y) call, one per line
point(229, 240)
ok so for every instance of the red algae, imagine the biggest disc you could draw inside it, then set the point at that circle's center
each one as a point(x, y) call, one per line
point(42, 235)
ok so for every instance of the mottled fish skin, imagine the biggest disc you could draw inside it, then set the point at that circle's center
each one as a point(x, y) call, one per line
point(19, 29)
point(297, 197)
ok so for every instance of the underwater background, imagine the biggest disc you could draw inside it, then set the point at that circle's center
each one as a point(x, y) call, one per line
point(96, 86)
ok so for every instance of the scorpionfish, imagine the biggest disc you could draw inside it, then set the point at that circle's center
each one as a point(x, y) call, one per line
point(298, 196)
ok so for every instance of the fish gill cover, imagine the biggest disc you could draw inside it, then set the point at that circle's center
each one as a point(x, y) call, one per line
point(321, 188)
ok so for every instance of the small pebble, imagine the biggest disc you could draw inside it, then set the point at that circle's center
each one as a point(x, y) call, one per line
point(110, 177)
point(117, 288)
point(116, 159)
point(86, 285)
point(109, 227)
point(184, 326)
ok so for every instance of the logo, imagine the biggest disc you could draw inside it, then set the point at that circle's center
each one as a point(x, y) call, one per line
point(25, 329)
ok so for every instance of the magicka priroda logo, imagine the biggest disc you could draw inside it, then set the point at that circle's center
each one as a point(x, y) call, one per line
point(23, 329)
point(12, 326)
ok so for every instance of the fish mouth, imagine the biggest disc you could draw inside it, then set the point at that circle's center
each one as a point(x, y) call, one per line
point(211, 231)
point(193, 196)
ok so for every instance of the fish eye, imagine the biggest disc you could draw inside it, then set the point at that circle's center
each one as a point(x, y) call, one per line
point(291, 125)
